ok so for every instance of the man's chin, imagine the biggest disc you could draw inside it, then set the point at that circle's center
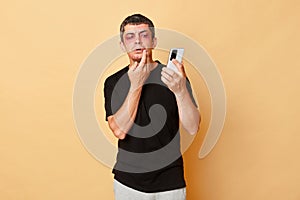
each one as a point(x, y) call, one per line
point(137, 58)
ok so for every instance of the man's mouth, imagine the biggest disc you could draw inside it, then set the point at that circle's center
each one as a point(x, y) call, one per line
point(139, 49)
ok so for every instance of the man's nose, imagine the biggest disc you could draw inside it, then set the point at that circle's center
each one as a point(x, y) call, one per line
point(137, 39)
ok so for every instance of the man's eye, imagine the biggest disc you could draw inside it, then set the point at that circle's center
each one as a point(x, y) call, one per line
point(144, 35)
point(129, 36)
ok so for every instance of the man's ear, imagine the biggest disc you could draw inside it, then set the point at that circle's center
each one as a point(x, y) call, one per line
point(154, 42)
point(122, 46)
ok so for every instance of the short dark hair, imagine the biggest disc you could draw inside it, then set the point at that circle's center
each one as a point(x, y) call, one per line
point(136, 19)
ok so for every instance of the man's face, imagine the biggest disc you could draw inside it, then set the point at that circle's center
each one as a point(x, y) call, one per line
point(137, 38)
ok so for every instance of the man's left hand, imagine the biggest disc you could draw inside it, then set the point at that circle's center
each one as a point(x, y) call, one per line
point(176, 82)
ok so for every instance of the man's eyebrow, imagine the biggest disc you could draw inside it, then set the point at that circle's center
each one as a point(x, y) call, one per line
point(129, 32)
point(143, 31)
point(133, 32)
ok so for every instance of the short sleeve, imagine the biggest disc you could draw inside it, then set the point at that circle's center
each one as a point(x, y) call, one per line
point(115, 91)
point(188, 86)
point(108, 88)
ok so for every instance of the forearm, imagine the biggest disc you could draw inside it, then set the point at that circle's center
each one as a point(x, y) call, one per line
point(188, 113)
point(121, 122)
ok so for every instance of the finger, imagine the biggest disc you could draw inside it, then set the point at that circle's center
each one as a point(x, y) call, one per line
point(166, 76)
point(143, 60)
point(179, 66)
point(164, 80)
point(169, 71)
point(183, 69)
point(172, 74)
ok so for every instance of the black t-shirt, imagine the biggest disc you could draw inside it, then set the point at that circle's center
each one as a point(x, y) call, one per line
point(149, 158)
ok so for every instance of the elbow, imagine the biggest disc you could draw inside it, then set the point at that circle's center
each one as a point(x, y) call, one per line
point(118, 133)
point(193, 131)
point(195, 128)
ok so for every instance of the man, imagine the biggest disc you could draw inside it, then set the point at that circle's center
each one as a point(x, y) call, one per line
point(144, 103)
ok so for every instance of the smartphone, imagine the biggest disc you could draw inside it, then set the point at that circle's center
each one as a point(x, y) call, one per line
point(176, 53)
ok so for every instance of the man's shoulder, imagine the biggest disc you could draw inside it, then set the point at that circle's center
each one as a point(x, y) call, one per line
point(117, 75)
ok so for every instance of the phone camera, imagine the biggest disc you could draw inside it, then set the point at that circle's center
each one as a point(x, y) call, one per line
point(173, 54)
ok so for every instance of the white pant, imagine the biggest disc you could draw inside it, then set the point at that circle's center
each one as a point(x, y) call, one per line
point(123, 192)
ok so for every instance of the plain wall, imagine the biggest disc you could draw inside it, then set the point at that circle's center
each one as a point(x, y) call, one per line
point(255, 45)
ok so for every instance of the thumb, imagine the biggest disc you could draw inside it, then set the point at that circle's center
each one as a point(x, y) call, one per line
point(179, 66)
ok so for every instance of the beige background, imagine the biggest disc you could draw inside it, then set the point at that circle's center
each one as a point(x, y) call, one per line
point(255, 45)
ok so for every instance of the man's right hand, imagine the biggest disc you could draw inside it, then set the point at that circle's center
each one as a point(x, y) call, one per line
point(123, 119)
point(139, 72)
